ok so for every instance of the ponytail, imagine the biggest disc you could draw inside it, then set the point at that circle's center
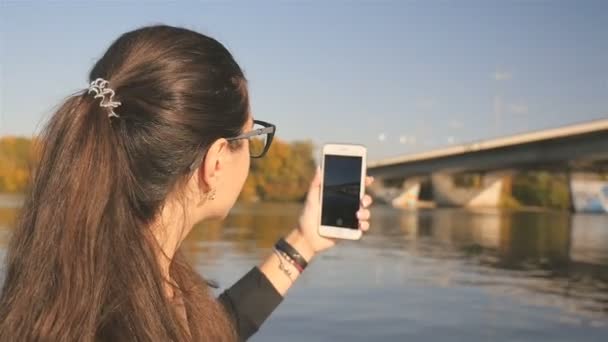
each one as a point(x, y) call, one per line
point(82, 263)
point(74, 233)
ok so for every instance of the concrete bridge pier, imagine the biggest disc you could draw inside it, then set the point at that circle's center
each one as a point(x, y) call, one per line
point(588, 192)
point(487, 193)
point(400, 193)
point(409, 196)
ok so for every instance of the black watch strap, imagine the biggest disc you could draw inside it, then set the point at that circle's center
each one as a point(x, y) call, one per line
point(291, 252)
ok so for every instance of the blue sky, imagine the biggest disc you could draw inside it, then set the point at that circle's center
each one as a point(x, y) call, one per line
point(397, 76)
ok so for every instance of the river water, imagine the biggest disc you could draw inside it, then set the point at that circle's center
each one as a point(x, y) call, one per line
point(426, 275)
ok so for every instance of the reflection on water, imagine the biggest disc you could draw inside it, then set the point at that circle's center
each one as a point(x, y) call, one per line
point(443, 274)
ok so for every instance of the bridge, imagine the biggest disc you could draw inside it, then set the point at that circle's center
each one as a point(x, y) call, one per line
point(579, 149)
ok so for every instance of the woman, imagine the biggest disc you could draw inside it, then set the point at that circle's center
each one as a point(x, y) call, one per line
point(158, 142)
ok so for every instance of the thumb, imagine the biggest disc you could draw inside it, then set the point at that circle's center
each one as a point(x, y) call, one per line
point(315, 186)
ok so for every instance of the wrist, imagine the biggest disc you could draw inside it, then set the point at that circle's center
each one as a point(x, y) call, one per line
point(299, 242)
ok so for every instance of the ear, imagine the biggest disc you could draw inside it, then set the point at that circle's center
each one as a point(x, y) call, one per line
point(212, 166)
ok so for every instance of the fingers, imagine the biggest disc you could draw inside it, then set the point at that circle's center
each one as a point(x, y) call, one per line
point(366, 201)
point(369, 180)
point(364, 225)
point(363, 214)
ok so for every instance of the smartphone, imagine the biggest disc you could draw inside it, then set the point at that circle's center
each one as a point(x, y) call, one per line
point(342, 188)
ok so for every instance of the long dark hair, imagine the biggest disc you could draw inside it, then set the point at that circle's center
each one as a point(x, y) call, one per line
point(81, 264)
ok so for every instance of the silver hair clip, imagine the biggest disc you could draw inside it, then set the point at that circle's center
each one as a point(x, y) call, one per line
point(99, 87)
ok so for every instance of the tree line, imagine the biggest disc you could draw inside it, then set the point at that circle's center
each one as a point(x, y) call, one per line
point(283, 174)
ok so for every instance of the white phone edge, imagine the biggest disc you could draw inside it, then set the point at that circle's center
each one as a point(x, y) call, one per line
point(343, 150)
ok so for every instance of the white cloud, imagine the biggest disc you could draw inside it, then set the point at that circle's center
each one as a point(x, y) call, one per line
point(381, 137)
point(451, 140)
point(403, 139)
point(502, 75)
point(520, 108)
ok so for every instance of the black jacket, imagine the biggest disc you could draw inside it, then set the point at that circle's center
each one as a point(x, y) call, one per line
point(250, 301)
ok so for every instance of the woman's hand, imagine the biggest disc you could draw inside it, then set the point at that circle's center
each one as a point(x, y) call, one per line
point(305, 238)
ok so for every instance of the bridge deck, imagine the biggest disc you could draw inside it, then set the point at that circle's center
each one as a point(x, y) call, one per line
point(552, 146)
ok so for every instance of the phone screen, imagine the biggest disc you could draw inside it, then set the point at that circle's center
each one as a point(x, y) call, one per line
point(341, 189)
